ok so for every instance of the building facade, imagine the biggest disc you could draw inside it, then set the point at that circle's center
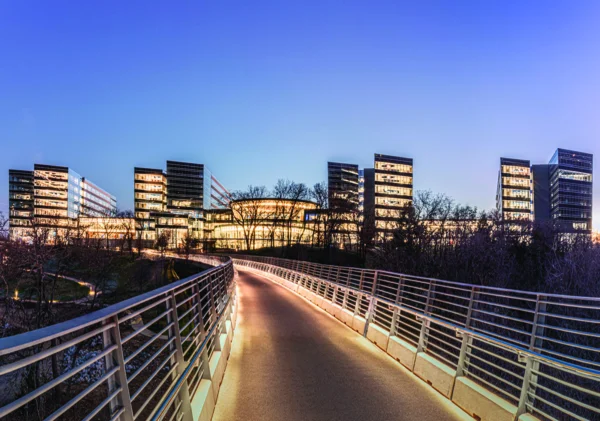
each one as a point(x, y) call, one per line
point(392, 192)
point(514, 196)
point(557, 193)
point(59, 196)
point(20, 202)
point(263, 222)
point(342, 185)
point(176, 202)
point(571, 180)
point(150, 198)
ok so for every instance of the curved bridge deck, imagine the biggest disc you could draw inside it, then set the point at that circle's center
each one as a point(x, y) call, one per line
point(292, 361)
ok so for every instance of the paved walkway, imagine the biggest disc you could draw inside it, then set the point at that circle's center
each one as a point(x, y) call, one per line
point(291, 361)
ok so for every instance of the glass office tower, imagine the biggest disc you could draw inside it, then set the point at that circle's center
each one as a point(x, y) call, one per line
point(570, 176)
point(342, 185)
point(20, 202)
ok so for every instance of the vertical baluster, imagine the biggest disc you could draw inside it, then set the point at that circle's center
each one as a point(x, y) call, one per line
point(532, 365)
point(372, 304)
point(175, 333)
point(111, 337)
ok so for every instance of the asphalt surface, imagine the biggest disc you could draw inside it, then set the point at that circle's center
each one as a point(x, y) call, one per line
point(292, 361)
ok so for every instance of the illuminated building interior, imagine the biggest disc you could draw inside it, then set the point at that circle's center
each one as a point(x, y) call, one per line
point(514, 198)
point(264, 222)
point(177, 202)
point(393, 192)
point(53, 198)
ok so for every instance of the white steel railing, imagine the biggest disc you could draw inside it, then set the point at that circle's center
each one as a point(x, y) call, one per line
point(139, 359)
point(540, 352)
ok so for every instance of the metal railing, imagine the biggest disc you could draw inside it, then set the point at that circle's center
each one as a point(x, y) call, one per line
point(139, 359)
point(539, 352)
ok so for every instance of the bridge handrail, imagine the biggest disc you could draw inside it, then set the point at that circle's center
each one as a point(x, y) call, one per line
point(474, 331)
point(182, 320)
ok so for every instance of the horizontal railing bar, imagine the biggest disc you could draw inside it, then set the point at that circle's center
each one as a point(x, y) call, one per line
point(144, 327)
point(153, 375)
point(156, 389)
point(47, 386)
point(102, 404)
point(81, 395)
point(137, 312)
point(148, 343)
point(149, 360)
point(8, 368)
point(25, 340)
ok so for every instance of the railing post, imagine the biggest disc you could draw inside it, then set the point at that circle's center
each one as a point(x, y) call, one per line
point(524, 397)
point(174, 332)
point(424, 321)
point(398, 301)
point(532, 365)
point(372, 304)
point(345, 299)
point(111, 337)
point(357, 305)
point(467, 340)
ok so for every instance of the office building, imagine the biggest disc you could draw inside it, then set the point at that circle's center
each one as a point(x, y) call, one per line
point(392, 193)
point(514, 197)
point(20, 202)
point(60, 196)
point(571, 191)
point(150, 198)
point(342, 184)
point(559, 192)
point(176, 202)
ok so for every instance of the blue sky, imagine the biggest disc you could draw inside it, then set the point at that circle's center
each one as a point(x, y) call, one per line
point(265, 90)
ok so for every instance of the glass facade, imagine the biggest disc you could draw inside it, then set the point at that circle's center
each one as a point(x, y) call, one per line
point(49, 197)
point(571, 185)
point(176, 201)
point(20, 202)
point(343, 186)
point(393, 192)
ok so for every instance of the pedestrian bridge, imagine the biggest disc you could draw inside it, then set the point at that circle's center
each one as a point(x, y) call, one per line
point(274, 339)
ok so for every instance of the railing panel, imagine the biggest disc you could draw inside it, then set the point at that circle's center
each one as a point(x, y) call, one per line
point(122, 361)
point(540, 352)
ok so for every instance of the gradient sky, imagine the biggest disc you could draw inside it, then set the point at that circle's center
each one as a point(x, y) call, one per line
point(264, 90)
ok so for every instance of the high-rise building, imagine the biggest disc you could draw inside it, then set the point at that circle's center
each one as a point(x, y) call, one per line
point(514, 197)
point(393, 192)
point(185, 186)
point(55, 197)
point(20, 202)
point(150, 197)
point(571, 190)
point(342, 184)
